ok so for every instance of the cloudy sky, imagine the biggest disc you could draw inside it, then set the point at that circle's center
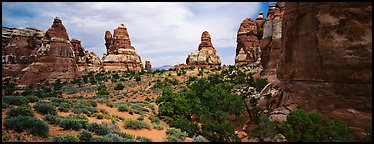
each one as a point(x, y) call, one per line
point(164, 33)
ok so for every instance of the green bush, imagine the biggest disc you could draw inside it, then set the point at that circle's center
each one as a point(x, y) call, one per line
point(64, 107)
point(66, 138)
point(260, 83)
point(32, 99)
point(4, 105)
point(99, 129)
point(264, 129)
point(119, 86)
point(32, 124)
point(138, 78)
point(154, 119)
point(84, 136)
point(199, 139)
point(172, 138)
point(45, 108)
point(99, 115)
point(158, 126)
point(71, 123)
point(135, 124)
point(20, 111)
point(143, 139)
point(141, 117)
point(124, 135)
point(303, 126)
point(177, 133)
point(52, 119)
point(369, 131)
point(15, 100)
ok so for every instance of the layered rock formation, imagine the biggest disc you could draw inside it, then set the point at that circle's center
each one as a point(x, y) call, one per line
point(87, 61)
point(19, 48)
point(326, 65)
point(55, 58)
point(206, 53)
point(271, 41)
point(148, 66)
point(120, 54)
point(248, 38)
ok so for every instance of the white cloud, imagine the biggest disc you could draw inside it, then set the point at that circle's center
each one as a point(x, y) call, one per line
point(156, 29)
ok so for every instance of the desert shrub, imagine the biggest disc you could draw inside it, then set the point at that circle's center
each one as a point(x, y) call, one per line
point(112, 137)
point(99, 115)
point(32, 99)
point(177, 133)
point(199, 139)
point(168, 119)
point(141, 117)
point(84, 135)
point(135, 124)
point(172, 138)
point(303, 126)
point(154, 119)
point(143, 139)
point(4, 105)
point(119, 86)
point(102, 90)
point(158, 126)
point(15, 100)
point(99, 129)
point(45, 108)
point(137, 78)
point(185, 125)
point(65, 138)
point(369, 131)
point(71, 123)
point(52, 119)
point(20, 111)
point(104, 111)
point(81, 108)
point(123, 108)
point(260, 83)
point(124, 135)
point(32, 124)
point(255, 114)
point(264, 129)
point(64, 107)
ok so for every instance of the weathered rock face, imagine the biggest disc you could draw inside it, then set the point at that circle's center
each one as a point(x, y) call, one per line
point(55, 58)
point(271, 41)
point(120, 54)
point(248, 38)
point(326, 65)
point(148, 65)
point(87, 61)
point(19, 48)
point(206, 53)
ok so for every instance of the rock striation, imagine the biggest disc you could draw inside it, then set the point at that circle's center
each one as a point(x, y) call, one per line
point(271, 41)
point(206, 53)
point(326, 63)
point(148, 66)
point(248, 38)
point(54, 59)
point(19, 48)
point(120, 54)
point(87, 61)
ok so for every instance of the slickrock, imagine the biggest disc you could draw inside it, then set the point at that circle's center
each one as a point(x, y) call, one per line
point(121, 56)
point(206, 53)
point(54, 59)
point(326, 64)
point(19, 48)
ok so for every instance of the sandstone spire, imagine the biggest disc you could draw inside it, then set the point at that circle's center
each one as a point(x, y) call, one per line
point(206, 53)
point(120, 54)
